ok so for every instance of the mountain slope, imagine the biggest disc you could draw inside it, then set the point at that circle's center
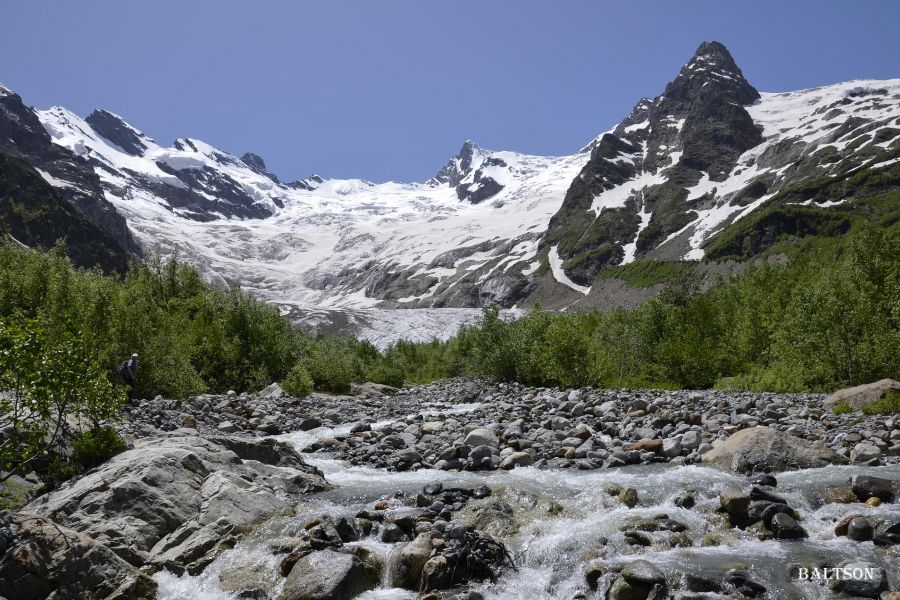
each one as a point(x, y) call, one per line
point(676, 180)
point(34, 214)
point(23, 136)
point(710, 150)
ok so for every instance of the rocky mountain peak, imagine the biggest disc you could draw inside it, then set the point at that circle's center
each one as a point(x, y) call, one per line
point(456, 169)
point(115, 129)
point(711, 71)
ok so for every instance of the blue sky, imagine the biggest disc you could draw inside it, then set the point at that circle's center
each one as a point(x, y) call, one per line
point(389, 90)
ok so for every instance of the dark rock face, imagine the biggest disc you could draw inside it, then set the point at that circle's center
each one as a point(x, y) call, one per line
point(23, 136)
point(466, 172)
point(116, 130)
point(701, 114)
point(33, 212)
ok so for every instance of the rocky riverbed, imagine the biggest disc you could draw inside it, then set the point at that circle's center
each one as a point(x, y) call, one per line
point(468, 490)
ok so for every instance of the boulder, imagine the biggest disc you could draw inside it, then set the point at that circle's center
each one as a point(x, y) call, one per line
point(864, 586)
point(177, 501)
point(860, 395)
point(763, 450)
point(860, 530)
point(272, 392)
point(42, 558)
point(785, 527)
point(329, 575)
point(482, 437)
point(407, 563)
point(867, 486)
point(517, 459)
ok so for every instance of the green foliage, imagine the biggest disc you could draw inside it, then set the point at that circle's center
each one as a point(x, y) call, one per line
point(55, 390)
point(331, 366)
point(819, 322)
point(645, 273)
point(842, 408)
point(298, 382)
point(93, 447)
point(888, 405)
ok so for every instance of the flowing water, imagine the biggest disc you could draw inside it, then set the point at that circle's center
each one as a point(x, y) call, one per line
point(552, 549)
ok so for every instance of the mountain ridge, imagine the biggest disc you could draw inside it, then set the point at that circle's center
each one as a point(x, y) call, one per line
point(494, 227)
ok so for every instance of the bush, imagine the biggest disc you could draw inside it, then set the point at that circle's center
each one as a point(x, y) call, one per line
point(888, 405)
point(298, 382)
point(330, 368)
point(95, 446)
point(53, 379)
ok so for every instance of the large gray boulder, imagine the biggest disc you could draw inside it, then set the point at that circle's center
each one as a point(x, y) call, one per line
point(407, 564)
point(329, 575)
point(858, 396)
point(39, 557)
point(177, 501)
point(766, 450)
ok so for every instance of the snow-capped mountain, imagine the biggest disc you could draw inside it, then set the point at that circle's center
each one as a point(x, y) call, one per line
point(707, 152)
point(490, 226)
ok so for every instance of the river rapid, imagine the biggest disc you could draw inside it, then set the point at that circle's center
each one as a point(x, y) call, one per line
point(551, 549)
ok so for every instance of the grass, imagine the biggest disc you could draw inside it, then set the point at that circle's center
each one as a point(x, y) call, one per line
point(889, 405)
point(645, 273)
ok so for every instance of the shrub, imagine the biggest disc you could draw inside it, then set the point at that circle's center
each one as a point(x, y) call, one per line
point(298, 382)
point(842, 408)
point(95, 446)
point(330, 368)
point(888, 405)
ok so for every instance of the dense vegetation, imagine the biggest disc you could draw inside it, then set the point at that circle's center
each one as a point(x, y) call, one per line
point(64, 331)
point(823, 320)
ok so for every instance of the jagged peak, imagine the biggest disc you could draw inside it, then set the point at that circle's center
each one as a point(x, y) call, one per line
point(120, 132)
point(712, 69)
point(5, 91)
point(470, 155)
point(254, 161)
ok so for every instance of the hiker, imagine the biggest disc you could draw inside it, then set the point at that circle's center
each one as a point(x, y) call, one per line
point(128, 370)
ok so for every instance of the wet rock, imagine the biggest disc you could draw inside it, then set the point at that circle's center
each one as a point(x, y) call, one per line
point(734, 502)
point(785, 527)
point(741, 581)
point(764, 449)
point(407, 564)
point(639, 580)
point(869, 582)
point(841, 528)
point(837, 495)
point(764, 480)
point(860, 530)
point(684, 499)
point(329, 575)
point(628, 497)
point(593, 572)
point(248, 581)
point(867, 486)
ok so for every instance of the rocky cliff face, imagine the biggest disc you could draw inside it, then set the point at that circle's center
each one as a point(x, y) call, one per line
point(633, 193)
point(23, 137)
point(682, 168)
